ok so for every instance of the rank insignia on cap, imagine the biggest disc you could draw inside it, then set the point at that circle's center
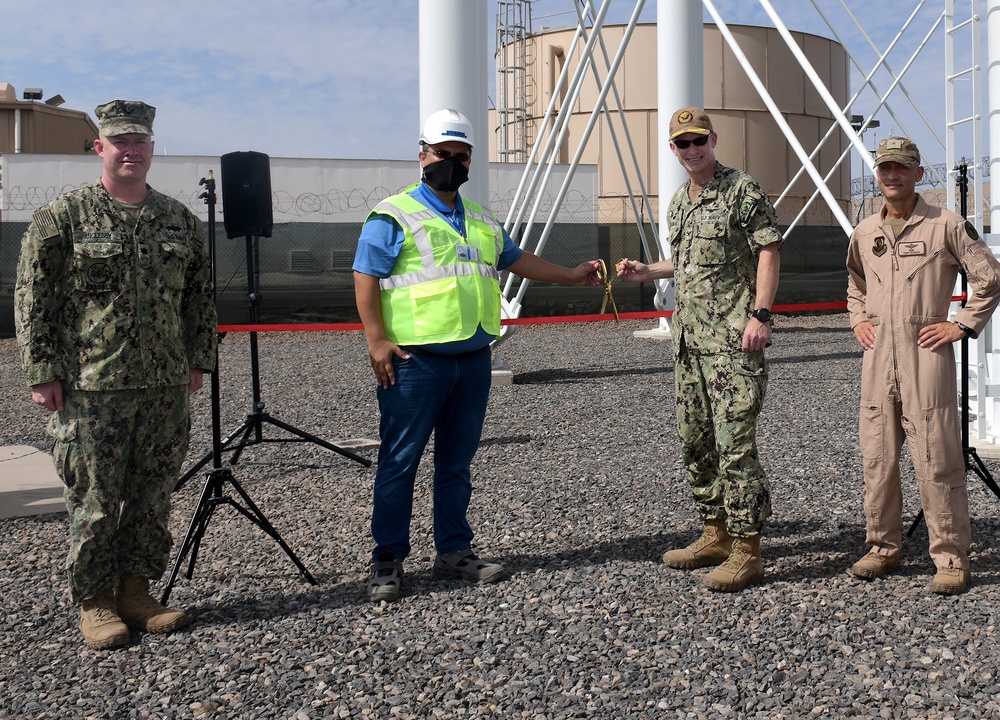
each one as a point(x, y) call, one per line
point(123, 117)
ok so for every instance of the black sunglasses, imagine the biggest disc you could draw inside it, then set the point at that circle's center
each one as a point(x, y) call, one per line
point(463, 157)
point(685, 144)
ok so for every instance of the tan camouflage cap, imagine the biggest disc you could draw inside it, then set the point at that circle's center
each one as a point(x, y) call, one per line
point(121, 117)
point(898, 150)
point(690, 120)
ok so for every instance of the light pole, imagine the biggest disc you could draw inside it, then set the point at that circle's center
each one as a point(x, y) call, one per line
point(858, 123)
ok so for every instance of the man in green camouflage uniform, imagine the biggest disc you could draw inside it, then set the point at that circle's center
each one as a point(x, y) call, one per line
point(116, 323)
point(724, 247)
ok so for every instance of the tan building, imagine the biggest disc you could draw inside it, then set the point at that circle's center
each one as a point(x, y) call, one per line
point(749, 138)
point(33, 126)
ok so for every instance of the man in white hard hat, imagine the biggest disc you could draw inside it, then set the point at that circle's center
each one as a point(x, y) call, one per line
point(426, 278)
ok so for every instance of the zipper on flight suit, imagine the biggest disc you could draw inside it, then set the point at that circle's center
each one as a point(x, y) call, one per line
point(892, 308)
point(919, 268)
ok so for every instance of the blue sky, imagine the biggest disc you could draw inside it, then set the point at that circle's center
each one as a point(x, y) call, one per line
point(338, 78)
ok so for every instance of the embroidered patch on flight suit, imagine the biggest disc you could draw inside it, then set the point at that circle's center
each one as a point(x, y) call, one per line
point(971, 231)
point(911, 249)
point(879, 247)
point(45, 223)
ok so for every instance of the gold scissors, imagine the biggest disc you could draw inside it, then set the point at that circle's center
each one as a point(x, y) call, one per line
point(602, 274)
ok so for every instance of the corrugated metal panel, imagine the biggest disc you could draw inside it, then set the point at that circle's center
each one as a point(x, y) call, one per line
point(46, 129)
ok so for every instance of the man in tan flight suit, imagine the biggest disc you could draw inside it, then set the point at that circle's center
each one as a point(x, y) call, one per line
point(902, 264)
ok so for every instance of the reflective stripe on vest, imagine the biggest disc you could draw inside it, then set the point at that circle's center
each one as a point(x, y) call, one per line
point(432, 298)
point(394, 282)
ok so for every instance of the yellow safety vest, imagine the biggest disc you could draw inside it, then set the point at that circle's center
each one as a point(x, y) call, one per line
point(444, 286)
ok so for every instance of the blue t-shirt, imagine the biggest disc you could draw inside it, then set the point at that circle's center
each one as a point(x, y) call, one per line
point(381, 241)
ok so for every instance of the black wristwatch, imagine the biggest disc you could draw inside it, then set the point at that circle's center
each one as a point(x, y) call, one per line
point(762, 314)
point(967, 330)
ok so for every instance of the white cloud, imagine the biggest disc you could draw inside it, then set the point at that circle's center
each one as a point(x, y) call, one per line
point(299, 78)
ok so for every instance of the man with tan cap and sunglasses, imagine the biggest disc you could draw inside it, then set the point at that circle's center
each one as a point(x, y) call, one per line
point(724, 245)
point(902, 266)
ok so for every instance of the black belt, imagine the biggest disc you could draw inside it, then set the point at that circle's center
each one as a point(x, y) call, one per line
point(420, 350)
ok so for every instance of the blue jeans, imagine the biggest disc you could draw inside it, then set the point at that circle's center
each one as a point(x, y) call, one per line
point(446, 394)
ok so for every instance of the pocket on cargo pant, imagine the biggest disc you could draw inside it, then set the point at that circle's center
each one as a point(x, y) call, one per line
point(748, 383)
point(871, 431)
point(64, 432)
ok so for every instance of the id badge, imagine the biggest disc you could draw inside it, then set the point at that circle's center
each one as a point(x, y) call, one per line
point(465, 252)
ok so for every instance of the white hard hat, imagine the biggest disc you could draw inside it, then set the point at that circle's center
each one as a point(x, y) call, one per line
point(447, 125)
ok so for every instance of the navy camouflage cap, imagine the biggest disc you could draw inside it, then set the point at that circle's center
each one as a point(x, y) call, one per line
point(898, 150)
point(121, 117)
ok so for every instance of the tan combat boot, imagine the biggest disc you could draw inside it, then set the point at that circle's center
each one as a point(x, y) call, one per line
point(712, 548)
point(101, 627)
point(743, 568)
point(874, 565)
point(141, 611)
point(950, 581)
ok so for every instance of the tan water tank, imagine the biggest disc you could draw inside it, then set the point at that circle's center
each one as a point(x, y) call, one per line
point(749, 138)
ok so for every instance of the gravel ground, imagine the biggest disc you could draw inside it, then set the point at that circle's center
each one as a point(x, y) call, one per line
point(578, 490)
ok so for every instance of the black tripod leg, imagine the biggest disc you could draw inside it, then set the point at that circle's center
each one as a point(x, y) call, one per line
point(916, 523)
point(257, 517)
point(979, 468)
point(243, 428)
point(213, 503)
point(319, 441)
point(194, 470)
point(248, 427)
point(196, 529)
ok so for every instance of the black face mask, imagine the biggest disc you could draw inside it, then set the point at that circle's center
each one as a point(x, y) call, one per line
point(446, 175)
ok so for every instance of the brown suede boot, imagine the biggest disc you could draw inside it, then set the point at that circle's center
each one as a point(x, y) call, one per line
point(743, 568)
point(141, 611)
point(101, 627)
point(712, 548)
point(873, 566)
point(950, 581)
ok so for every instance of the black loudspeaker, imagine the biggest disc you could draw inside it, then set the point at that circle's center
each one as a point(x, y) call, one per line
point(246, 194)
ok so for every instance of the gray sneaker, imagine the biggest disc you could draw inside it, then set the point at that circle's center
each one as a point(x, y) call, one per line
point(386, 579)
point(465, 564)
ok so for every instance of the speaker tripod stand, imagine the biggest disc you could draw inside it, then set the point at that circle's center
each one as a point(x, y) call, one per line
point(973, 462)
point(220, 478)
point(251, 430)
